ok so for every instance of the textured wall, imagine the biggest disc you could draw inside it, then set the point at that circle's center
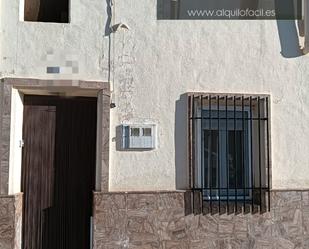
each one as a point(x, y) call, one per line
point(158, 61)
point(154, 63)
point(10, 221)
point(158, 221)
point(18, 221)
point(7, 223)
point(77, 48)
point(5, 120)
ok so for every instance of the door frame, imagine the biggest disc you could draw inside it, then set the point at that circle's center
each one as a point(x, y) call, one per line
point(11, 110)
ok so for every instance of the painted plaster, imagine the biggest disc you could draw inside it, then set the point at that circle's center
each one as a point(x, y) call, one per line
point(170, 58)
point(154, 63)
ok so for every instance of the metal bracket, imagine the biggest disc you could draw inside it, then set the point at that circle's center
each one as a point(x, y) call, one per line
point(21, 143)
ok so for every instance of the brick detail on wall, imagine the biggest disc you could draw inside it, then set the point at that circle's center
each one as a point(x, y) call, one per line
point(158, 220)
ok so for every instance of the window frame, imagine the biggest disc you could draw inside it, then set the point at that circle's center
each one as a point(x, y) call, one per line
point(259, 118)
point(199, 156)
point(34, 15)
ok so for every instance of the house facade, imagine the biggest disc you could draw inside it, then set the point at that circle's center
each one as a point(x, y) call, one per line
point(158, 133)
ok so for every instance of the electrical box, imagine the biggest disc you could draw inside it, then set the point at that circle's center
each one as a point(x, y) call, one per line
point(139, 137)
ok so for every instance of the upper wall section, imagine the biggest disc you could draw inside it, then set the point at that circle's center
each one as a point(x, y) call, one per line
point(157, 61)
point(154, 63)
point(75, 49)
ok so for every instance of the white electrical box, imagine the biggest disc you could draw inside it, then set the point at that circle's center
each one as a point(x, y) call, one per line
point(139, 137)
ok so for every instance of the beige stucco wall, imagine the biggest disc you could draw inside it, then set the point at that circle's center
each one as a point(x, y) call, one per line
point(29, 47)
point(160, 60)
point(154, 63)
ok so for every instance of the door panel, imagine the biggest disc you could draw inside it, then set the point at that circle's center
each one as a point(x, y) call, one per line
point(60, 148)
point(38, 170)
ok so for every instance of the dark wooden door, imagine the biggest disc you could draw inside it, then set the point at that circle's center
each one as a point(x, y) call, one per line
point(58, 171)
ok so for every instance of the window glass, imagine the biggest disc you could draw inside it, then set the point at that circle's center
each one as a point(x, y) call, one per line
point(225, 148)
point(147, 132)
point(135, 132)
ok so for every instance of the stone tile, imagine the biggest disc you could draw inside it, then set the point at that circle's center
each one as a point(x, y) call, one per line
point(226, 226)
point(110, 226)
point(281, 243)
point(192, 225)
point(109, 217)
point(165, 213)
point(262, 244)
point(203, 244)
point(110, 201)
point(6, 243)
point(7, 222)
point(170, 224)
point(109, 245)
point(241, 227)
point(305, 242)
point(141, 229)
point(305, 198)
point(286, 198)
point(18, 206)
point(145, 245)
point(7, 90)
point(202, 227)
point(6, 206)
point(177, 229)
point(175, 245)
point(305, 218)
point(142, 202)
point(149, 225)
point(290, 221)
point(4, 178)
point(233, 244)
point(278, 230)
point(240, 221)
point(171, 201)
point(6, 229)
point(5, 154)
point(6, 123)
point(260, 228)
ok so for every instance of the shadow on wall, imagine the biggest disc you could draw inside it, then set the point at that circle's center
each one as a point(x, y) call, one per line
point(289, 31)
point(118, 138)
point(181, 148)
point(107, 32)
point(289, 39)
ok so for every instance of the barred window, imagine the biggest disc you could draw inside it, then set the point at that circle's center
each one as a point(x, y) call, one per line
point(229, 152)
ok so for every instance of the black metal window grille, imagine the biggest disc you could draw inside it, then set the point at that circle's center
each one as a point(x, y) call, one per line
point(229, 153)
